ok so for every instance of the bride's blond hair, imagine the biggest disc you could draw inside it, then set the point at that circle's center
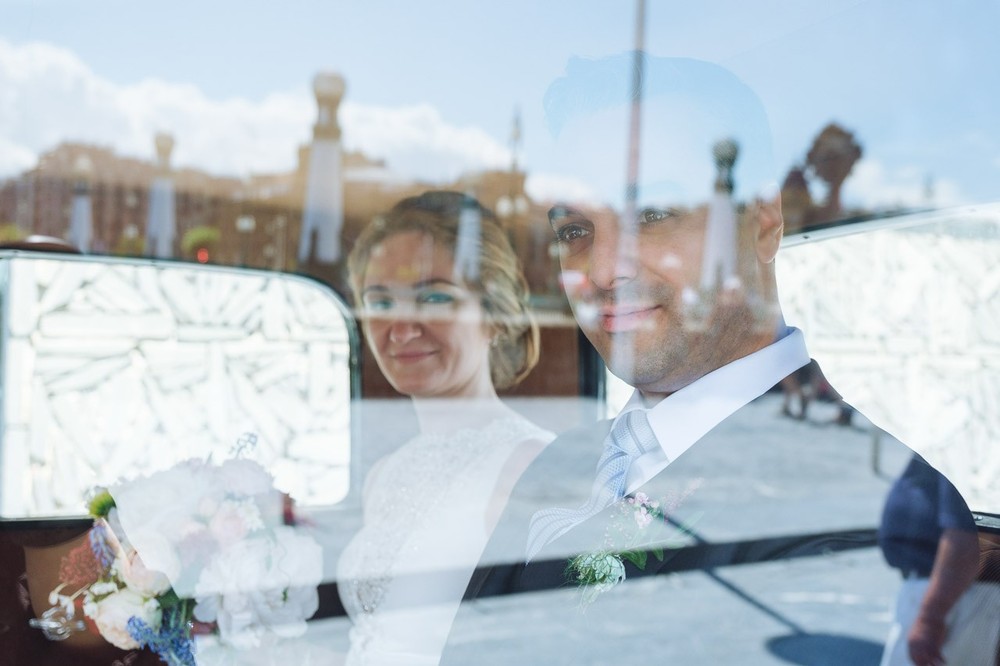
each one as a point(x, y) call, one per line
point(501, 285)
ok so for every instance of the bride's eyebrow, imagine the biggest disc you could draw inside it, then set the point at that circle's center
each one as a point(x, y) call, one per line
point(382, 289)
point(433, 281)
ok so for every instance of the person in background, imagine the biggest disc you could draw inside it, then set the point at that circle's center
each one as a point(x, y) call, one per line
point(927, 532)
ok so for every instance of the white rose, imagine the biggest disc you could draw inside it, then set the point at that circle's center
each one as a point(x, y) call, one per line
point(260, 586)
point(287, 613)
point(298, 558)
point(288, 595)
point(226, 589)
point(238, 568)
point(166, 501)
point(112, 613)
point(100, 588)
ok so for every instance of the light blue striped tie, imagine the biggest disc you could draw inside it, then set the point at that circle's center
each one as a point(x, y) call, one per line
point(631, 437)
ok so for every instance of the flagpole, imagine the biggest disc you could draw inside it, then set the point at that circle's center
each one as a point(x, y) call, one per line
point(635, 116)
point(623, 352)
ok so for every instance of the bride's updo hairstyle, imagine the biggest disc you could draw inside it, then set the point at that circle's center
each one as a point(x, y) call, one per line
point(500, 282)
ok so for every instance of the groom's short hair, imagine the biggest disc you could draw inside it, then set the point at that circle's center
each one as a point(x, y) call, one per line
point(697, 92)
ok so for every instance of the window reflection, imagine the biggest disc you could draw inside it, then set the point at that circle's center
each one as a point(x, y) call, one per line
point(113, 370)
point(750, 532)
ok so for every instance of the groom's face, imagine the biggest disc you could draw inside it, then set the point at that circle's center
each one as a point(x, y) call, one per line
point(635, 281)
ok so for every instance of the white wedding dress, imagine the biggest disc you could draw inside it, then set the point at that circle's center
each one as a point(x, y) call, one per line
point(402, 577)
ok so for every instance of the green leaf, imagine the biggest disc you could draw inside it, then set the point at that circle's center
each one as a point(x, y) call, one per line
point(169, 598)
point(576, 572)
point(658, 553)
point(636, 557)
point(102, 503)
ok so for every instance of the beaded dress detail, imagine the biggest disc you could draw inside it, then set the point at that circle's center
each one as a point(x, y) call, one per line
point(402, 576)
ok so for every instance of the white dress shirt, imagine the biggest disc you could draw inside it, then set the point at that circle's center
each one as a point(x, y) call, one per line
point(684, 417)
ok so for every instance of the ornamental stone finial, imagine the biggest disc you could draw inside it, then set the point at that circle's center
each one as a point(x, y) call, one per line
point(164, 148)
point(725, 153)
point(329, 89)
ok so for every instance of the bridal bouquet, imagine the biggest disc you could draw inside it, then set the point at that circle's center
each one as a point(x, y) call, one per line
point(197, 548)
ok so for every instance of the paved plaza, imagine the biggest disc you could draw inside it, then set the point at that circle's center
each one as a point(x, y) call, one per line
point(806, 619)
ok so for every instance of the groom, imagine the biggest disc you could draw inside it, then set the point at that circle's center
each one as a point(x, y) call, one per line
point(675, 288)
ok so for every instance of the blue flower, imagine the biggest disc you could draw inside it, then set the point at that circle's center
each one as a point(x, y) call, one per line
point(171, 643)
point(100, 547)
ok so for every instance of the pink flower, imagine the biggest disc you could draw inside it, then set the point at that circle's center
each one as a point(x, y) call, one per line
point(643, 517)
point(234, 520)
point(79, 567)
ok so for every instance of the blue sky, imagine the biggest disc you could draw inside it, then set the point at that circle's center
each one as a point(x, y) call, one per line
point(916, 81)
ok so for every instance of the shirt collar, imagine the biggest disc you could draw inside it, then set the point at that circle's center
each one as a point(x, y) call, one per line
point(684, 417)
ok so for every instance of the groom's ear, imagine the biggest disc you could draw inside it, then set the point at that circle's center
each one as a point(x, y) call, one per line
point(770, 227)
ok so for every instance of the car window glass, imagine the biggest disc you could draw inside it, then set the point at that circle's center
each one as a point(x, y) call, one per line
point(114, 369)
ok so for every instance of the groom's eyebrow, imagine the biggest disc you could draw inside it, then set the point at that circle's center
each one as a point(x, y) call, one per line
point(561, 211)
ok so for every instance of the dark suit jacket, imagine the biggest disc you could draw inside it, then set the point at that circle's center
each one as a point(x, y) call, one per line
point(771, 541)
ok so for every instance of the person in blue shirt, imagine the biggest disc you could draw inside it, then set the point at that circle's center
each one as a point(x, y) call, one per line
point(928, 533)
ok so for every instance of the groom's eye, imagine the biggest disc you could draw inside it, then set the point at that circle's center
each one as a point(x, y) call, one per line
point(574, 238)
point(571, 228)
point(571, 232)
point(652, 216)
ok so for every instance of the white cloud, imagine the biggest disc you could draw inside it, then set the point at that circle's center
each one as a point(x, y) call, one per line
point(873, 186)
point(416, 140)
point(48, 95)
point(14, 157)
point(551, 187)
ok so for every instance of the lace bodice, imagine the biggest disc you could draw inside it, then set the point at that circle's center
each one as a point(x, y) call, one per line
point(403, 574)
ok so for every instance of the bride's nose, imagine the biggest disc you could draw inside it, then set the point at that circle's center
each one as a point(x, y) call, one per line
point(402, 331)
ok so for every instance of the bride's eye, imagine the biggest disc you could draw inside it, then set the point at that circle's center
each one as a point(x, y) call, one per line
point(378, 304)
point(435, 298)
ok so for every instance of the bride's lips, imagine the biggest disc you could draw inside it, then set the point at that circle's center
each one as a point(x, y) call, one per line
point(414, 356)
point(621, 318)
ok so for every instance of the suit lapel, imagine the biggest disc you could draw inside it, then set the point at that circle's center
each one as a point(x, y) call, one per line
point(548, 481)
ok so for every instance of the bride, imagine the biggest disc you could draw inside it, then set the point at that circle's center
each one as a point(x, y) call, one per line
point(444, 310)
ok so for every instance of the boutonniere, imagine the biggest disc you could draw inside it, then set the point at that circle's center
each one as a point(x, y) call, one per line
point(628, 538)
